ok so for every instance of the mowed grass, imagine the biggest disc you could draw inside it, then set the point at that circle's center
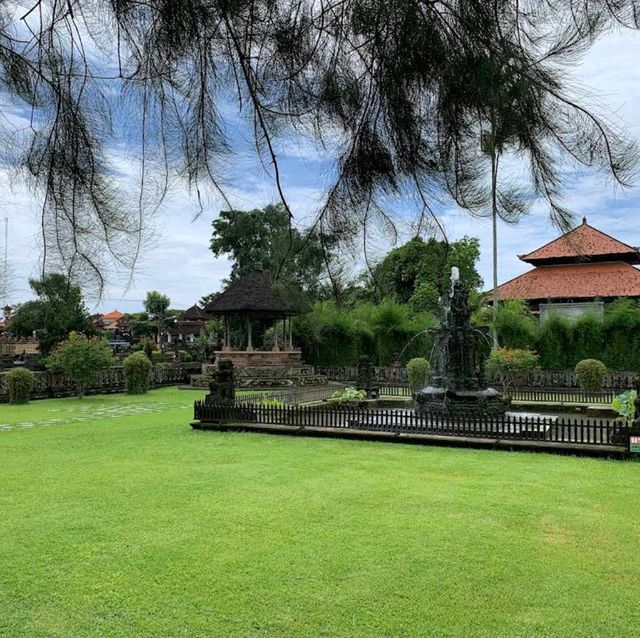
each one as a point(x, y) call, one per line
point(116, 519)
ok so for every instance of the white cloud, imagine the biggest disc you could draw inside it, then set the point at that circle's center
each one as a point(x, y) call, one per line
point(180, 264)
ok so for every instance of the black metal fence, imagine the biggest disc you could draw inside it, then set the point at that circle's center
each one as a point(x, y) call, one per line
point(590, 432)
point(293, 395)
point(614, 380)
point(563, 395)
point(533, 395)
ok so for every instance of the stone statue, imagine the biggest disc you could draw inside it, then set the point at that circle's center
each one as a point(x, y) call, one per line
point(222, 387)
point(366, 378)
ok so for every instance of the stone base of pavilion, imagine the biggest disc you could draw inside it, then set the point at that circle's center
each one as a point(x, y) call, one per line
point(263, 369)
point(261, 358)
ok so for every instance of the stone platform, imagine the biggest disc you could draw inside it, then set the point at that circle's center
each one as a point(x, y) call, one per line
point(263, 369)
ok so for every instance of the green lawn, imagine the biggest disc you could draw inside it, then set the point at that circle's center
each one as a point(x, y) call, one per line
point(116, 519)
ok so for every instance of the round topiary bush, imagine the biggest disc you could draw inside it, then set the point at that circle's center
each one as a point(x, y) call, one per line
point(418, 372)
point(19, 385)
point(590, 374)
point(136, 373)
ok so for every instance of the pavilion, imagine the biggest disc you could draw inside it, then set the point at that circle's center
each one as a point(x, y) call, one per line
point(577, 272)
point(255, 301)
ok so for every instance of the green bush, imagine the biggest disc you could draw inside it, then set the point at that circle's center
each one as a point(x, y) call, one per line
point(588, 338)
point(625, 405)
point(185, 356)
point(515, 326)
point(19, 385)
point(556, 343)
point(81, 359)
point(136, 373)
point(590, 374)
point(349, 395)
point(418, 372)
point(506, 365)
point(622, 335)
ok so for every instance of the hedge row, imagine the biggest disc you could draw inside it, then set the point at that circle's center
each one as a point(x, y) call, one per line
point(561, 342)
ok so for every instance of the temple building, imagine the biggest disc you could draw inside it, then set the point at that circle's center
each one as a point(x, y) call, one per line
point(257, 314)
point(186, 327)
point(577, 272)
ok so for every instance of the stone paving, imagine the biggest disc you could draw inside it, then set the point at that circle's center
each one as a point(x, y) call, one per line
point(66, 415)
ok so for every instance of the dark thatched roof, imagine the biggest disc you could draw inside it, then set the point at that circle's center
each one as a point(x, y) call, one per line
point(256, 295)
point(194, 313)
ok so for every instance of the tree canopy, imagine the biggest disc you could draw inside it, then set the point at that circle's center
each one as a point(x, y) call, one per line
point(58, 310)
point(156, 305)
point(264, 237)
point(397, 92)
point(419, 271)
point(81, 358)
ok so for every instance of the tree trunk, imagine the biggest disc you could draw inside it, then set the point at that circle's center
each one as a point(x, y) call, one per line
point(494, 219)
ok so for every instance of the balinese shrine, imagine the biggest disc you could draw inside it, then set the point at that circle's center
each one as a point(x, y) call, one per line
point(256, 315)
point(578, 272)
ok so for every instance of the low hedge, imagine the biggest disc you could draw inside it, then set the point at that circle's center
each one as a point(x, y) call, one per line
point(136, 373)
point(590, 374)
point(19, 385)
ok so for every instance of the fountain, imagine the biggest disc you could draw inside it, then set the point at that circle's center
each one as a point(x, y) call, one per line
point(456, 387)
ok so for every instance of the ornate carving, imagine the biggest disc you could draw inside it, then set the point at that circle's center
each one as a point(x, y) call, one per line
point(222, 387)
point(458, 364)
point(366, 378)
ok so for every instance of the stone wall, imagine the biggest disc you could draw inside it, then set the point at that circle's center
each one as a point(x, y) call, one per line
point(48, 385)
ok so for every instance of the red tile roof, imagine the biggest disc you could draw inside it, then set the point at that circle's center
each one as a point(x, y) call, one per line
point(580, 243)
point(574, 281)
point(114, 314)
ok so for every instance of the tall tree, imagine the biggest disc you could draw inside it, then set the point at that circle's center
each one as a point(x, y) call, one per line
point(264, 237)
point(156, 305)
point(423, 269)
point(58, 310)
point(392, 89)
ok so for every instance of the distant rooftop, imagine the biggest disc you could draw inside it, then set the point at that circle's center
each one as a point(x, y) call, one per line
point(584, 243)
point(574, 281)
point(114, 314)
point(194, 313)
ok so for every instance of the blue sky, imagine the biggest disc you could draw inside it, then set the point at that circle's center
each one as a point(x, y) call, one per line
point(179, 263)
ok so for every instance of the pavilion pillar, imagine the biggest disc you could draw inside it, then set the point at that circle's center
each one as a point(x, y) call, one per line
point(275, 337)
point(227, 334)
point(249, 341)
point(290, 333)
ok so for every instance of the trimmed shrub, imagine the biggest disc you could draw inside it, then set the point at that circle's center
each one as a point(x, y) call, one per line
point(590, 374)
point(136, 373)
point(19, 385)
point(418, 372)
point(506, 365)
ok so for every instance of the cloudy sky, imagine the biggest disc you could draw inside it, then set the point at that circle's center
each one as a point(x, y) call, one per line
point(180, 264)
